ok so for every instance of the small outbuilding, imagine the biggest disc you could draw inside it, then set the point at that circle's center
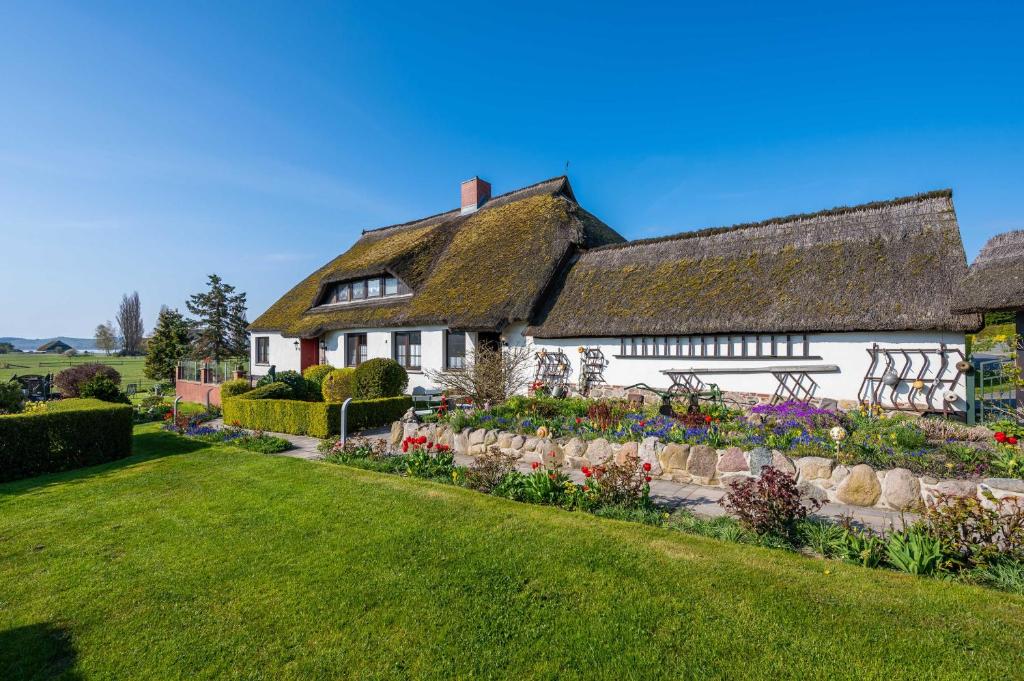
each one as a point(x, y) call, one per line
point(56, 346)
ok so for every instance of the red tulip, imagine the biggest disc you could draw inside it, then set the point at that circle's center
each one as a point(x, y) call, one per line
point(647, 466)
point(647, 478)
point(707, 419)
point(1012, 440)
point(586, 471)
point(535, 465)
point(1000, 436)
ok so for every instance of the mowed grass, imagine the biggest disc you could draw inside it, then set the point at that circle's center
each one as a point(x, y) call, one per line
point(202, 562)
point(21, 363)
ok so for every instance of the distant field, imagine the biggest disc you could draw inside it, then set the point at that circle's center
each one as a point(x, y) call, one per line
point(23, 363)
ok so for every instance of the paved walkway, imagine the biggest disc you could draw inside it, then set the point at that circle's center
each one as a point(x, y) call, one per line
point(696, 498)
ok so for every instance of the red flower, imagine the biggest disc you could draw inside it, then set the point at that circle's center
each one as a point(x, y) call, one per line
point(1000, 437)
point(551, 475)
point(1012, 440)
point(643, 423)
point(535, 465)
point(586, 471)
point(647, 466)
point(422, 439)
point(585, 488)
point(405, 447)
point(647, 478)
point(707, 419)
point(578, 420)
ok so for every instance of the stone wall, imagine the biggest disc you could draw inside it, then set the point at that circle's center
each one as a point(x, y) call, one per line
point(817, 477)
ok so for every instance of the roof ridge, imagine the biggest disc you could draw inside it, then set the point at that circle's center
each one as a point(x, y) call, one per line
point(457, 211)
point(828, 212)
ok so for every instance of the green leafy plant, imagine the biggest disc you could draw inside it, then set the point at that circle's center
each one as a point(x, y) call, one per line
point(337, 385)
point(11, 398)
point(915, 551)
point(315, 376)
point(544, 486)
point(300, 387)
point(269, 391)
point(428, 459)
point(974, 533)
point(1008, 461)
point(864, 547)
point(1007, 575)
point(379, 377)
point(823, 537)
point(102, 388)
point(512, 486)
point(234, 387)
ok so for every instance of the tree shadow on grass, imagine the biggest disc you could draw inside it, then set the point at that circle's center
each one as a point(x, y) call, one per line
point(37, 651)
point(146, 446)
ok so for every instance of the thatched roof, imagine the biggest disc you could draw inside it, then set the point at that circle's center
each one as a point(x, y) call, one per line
point(890, 265)
point(476, 271)
point(996, 279)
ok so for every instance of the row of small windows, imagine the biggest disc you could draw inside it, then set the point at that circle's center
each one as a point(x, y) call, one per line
point(407, 349)
point(363, 289)
point(756, 346)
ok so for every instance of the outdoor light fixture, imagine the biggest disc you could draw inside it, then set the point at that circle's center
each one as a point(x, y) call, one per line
point(296, 345)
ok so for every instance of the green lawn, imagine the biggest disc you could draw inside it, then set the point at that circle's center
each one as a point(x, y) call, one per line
point(21, 363)
point(199, 562)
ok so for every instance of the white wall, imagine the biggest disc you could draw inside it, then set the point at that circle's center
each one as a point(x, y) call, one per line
point(848, 351)
point(378, 344)
point(283, 354)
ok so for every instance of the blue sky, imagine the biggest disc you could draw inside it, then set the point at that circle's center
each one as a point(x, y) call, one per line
point(145, 147)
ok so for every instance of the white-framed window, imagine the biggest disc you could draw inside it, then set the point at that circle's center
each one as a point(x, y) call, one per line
point(455, 349)
point(408, 349)
point(355, 349)
point(718, 346)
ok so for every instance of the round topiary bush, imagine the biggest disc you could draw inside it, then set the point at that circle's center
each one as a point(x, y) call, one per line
point(70, 381)
point(11, 398)
point(237, 386)
point(337, 385)
point(102, 388)
point(317, 373)
point(378, 378)
point(295, 381)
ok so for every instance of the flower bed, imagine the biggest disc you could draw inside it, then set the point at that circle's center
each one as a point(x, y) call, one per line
point(195, 428)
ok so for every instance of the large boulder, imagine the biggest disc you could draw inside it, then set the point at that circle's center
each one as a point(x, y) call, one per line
point(702, 464)
point(901, 490)
point(460, 443)
point(673, 457)
point(808, 490)
point(839, 474)
point(490, 438)
point(531, 444)
point(814, 467)
point(517, 442)
point(733, 461)
point(781, 462)
point(575, 450)
point(599, 451)
point(956, 488)
point(1005, 484)
point(759, 457)
point(477, 436)
point(550, 454)
point(648, 452)
point(504, 441)
point(397, 431)
point(627, 451)
point(860, 488)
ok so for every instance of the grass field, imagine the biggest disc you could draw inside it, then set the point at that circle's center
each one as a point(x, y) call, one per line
point(198, 562)
point(21, 363)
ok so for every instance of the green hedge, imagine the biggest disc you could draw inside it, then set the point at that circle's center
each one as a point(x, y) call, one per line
point(318, 419)
point(71, 433)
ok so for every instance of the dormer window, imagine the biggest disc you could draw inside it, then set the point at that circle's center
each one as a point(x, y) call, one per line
point(385, 286)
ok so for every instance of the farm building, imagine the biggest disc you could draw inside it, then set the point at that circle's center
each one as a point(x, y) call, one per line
point(848, 304)
point(55, 346)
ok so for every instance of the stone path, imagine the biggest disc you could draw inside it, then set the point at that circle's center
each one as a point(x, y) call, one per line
point(695, 498)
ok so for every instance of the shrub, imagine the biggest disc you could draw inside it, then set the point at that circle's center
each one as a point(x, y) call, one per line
point(975, 535)
point(489, 469)
point(70, 434)
point(379, 377)
point(70, 381)
point(317, 419)
point(624, 484)
point(337, 385)
point(11, 399)
point(269, 391)
point(102, 388)
point(294, 380)
point(770, 504)
point(235, 387)
point(363, 414)
point(316, 374)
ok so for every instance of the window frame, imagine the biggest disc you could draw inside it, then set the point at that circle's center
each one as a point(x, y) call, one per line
point(737, 346)
point(404, 354)
point(447, 351)
point(265, 342)
point(362, 351)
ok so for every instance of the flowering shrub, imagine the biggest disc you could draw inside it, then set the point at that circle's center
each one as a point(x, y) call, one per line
point(770, 504)
point(627, 484)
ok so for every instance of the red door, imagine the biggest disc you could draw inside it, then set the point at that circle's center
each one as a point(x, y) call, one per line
point(309, 352)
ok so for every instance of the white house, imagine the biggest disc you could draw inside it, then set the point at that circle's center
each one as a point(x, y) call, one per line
point(850, 304)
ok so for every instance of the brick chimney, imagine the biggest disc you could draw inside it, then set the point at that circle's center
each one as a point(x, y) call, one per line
point(475, 193)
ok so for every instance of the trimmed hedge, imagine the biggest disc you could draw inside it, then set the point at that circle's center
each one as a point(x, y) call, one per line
point(317, 419)
point(268, 391)
point(71, 433)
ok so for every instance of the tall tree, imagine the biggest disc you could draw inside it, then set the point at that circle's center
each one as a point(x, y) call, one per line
point(219, 330)
point(106, 337)
point(129, 321)
point(169, 343)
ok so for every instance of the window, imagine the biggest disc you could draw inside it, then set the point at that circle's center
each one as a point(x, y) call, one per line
point(730, 347)
point(407, 349)
point(390, 286)
point(358, 290)
point(342, 293)
point(373, 288)
point(455, 349)
point(355, 349)
point(262, 350)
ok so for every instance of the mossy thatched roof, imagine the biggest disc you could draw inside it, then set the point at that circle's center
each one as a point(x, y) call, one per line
point(996, 279)
point(476, 271)
point(890, 265)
